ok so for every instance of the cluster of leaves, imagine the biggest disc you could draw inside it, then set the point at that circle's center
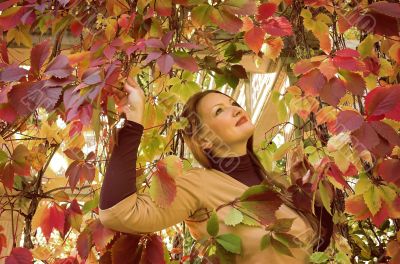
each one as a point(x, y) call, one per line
point(345, 102)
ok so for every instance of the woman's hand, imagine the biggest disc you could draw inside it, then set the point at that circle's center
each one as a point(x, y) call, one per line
point(133, 103)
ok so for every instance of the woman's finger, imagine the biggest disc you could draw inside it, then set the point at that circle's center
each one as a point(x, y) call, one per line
point(130, 85)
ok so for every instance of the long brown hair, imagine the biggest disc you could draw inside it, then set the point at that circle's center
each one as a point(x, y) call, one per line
point(190, 136)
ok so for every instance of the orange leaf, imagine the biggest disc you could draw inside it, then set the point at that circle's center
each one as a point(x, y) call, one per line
point(254, 38)
point(100, 234)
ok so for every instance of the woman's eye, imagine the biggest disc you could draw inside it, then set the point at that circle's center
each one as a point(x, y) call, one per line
point(217, 112)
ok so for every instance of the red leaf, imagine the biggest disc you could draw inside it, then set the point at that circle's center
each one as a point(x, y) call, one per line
point(76, 28)
point(389, 170)
point(386, 132)
point(92, 76)
point(3, 51)
point(73, 174)
point(6, 4)
point(53, 218)
point(381, 215)
point(165, 63)
point(19, 255)
point(59, 67)
point(266, 10)
point(348, 63)
point(8, 113)
point(74, 154)
point(372, 65)
point(166, 39)
point(312, 82)
point(383, 101)
point(348, 121)
point(152, 56)
point(261, 202)
point(356, 206)
point(333, 91)
point(84, 244)
point(7, 175)
point(154, 252)
point(304, 66)
point(100, 234)
point(328, 69)
point(163, 187)
point(347, 53)
point(385, 8)
point(122, 250)
point(39, 55)
point(375, 22)
point(254, 38)
point(74, 215)
point(12, 73)
point(278, 26)
point(164, 7)
point(365, 138)
point(226, 20)
point(248, 7)
point(337, 174)
point(354, 82)
point(12, 19)
point(185, 61)
point(155, 43)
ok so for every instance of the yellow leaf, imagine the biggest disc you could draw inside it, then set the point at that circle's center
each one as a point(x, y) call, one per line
point(41, 253)
point(2, 141)
point(394, 52)
point(111, 29)
point(371, 81)
point(272, 48)
point(386, 68)
point(372, 199)
point(25, 37)
point(306, 13)
point(283, 149)
point(326, 114)
point(38, 216)
point(322, 18)
point(367, 45)
point(336, 142)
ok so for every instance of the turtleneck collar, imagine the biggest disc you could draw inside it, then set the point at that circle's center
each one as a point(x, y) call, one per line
point(235, 164)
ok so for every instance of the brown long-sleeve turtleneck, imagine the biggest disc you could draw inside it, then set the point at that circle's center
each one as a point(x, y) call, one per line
point(120, 178)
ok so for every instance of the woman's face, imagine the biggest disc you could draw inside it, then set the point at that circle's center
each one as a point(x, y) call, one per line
point(226, 125)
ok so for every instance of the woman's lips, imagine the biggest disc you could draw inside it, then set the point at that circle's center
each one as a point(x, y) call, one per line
point(241, 121)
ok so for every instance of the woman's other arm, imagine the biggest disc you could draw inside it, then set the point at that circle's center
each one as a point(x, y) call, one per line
point(120, 177)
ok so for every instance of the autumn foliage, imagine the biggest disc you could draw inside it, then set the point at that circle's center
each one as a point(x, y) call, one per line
point(60, 97)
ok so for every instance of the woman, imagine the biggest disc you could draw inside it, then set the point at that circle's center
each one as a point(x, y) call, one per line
point(219, 135)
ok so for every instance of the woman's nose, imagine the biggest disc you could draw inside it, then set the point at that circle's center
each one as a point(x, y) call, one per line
point(236, 111)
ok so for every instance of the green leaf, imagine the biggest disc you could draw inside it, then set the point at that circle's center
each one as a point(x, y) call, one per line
point(233, 217)
point(3, 156)
point(265, 241)
point(288, 240)
point(363, 184)
point(283, 149)
point(366, 46)
point(280, 247)
point(326, 200)
point(281, 225)
point(372, 199)
point(319, 257)
point(213, 224)
point(247, 220)
point(90, 205)
point(342, 258)
point(201, 15)
point(282, 111)
point(310, 150)
point(230, 242)
point(255, 189)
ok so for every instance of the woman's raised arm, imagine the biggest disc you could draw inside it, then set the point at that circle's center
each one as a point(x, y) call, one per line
point(124, 210)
